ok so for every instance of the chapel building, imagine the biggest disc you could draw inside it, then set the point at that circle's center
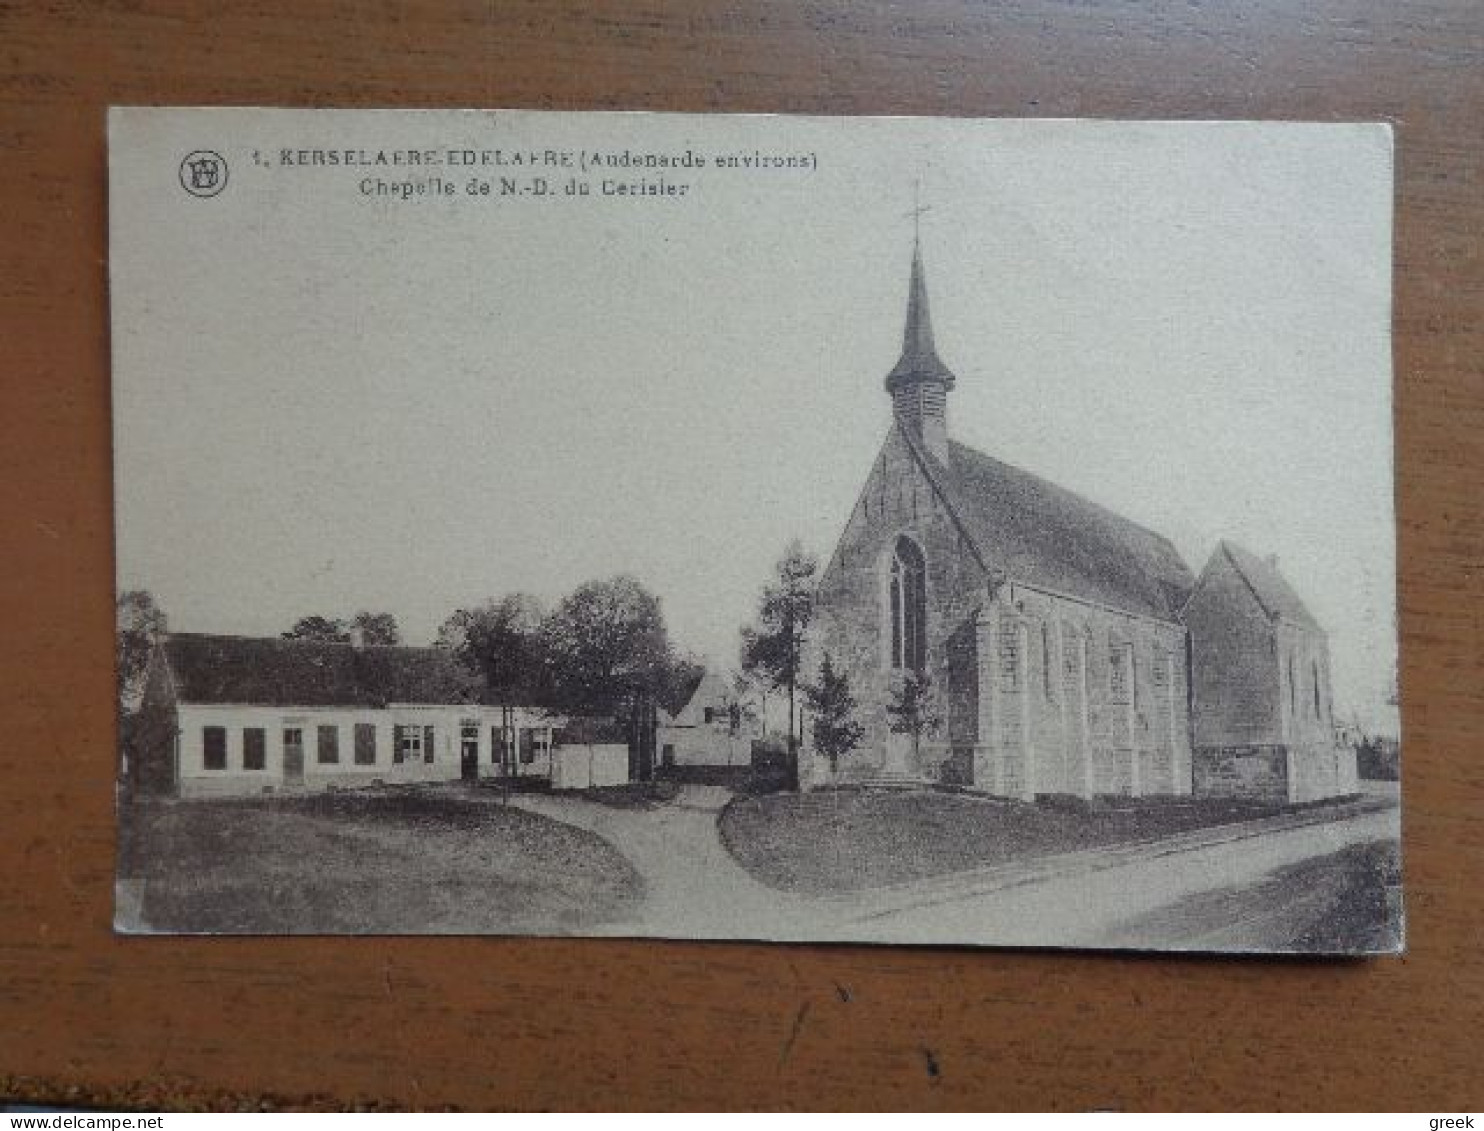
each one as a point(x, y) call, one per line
point(1051, 630)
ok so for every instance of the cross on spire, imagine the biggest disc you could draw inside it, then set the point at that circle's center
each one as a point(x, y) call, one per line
point(918, 208)
point(919, 362)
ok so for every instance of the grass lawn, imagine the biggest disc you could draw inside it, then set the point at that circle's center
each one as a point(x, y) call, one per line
point(404, 862)
point(842, 840)
point(1365, 914)
point(1344, 902)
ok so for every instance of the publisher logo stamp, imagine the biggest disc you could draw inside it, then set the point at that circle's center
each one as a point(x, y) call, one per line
point(203, 173)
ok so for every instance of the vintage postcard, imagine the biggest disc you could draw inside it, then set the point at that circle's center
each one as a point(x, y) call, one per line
point(750, 527)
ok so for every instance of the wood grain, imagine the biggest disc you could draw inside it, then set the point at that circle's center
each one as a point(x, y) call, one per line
point(478, 1023)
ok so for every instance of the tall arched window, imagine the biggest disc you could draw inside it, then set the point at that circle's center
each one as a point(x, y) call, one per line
point(908, 607)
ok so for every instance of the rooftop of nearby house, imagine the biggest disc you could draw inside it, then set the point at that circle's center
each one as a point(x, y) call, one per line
point(271, 671)
point(711, 691)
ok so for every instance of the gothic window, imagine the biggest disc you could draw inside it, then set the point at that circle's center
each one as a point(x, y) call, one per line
point(1315, 665)
point(907, 607)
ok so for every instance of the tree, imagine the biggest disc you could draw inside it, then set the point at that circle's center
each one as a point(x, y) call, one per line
point(321, 629)
point(751, 687)
point(501, 640)
point(836, 731)
point(453, 632)
point(742, 703)
point(139, 623)
point(773, 647)
point(608, 654)
point(910, 709)
point(606, 647)
point(376, 628)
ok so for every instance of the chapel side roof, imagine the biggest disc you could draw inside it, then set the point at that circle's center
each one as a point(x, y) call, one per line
point(271, 671)
point(1269, 586)
point(1045, 535)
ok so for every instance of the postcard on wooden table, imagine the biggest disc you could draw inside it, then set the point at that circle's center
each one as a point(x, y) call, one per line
point(748, 527)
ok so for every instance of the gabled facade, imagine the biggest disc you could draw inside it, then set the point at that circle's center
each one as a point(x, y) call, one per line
point(1046, 625)
point(710, 730)
point(1260, 677)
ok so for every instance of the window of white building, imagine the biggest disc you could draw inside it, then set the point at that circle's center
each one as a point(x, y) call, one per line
point(254, 748)
point(214, 748)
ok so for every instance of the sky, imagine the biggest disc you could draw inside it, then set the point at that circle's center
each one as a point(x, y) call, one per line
point(327, 399)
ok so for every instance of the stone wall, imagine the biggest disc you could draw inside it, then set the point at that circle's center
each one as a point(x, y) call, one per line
point(1276, 772)
point(1233, 663)
point(850, 619)
point(1024, 681)
point(1257, 772)
point(1303, 676)
point(1080, 699)
point(1322, 770)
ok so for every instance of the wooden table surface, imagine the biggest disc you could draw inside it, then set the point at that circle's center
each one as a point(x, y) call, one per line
point(479, 1023)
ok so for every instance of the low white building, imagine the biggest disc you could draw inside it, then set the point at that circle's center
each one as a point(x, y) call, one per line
point(714, 728)
point(237, 716)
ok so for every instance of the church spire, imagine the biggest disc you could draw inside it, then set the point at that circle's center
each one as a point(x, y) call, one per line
point(919, 382)
point(919, 361)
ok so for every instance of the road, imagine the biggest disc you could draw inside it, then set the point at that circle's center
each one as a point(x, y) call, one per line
point(1125, 897)
point(1087, 903)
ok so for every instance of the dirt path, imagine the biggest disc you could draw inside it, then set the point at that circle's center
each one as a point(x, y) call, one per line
point(694, 889)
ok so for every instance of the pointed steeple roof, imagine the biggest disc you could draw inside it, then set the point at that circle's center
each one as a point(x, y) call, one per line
point(919, 361)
